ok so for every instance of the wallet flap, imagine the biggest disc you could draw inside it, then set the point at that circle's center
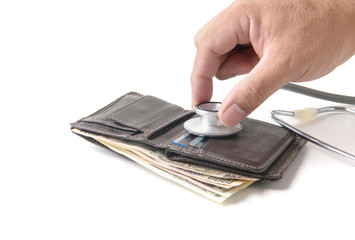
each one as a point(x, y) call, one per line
point(253, 149)
point(273, 172)
point(100, 116)
point(150, 115)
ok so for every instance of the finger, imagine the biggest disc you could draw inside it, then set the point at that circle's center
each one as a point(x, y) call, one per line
point(205, 67)
point(213, 43)
point(267, 77)
point(238, 64)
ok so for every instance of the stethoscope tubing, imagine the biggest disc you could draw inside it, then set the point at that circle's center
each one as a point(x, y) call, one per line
point(275, 113)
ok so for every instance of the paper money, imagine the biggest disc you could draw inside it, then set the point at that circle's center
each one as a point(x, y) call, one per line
point(214, 184)
point(169, 175)
point(158, 159)
point(160, 156)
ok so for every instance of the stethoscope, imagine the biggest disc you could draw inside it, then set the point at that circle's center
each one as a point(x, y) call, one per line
point(208, 124)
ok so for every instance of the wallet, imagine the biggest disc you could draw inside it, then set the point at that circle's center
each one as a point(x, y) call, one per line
point(261, 150)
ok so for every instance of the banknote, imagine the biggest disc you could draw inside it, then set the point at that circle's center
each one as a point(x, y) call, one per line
point(211, 191)
point(157, 158)
point(212, 183)
point(161, 156)
point(184, 181)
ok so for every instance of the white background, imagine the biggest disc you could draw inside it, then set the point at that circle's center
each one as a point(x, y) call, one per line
point(62, 60)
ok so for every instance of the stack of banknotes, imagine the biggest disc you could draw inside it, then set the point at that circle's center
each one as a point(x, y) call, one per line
point(214, 184)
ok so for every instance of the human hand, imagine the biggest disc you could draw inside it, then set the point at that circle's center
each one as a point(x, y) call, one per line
point(275, 42)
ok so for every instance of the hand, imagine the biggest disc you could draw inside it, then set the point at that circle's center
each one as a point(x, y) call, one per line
point(276, 42)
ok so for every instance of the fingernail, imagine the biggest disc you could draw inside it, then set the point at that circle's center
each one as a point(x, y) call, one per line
point(233, 115)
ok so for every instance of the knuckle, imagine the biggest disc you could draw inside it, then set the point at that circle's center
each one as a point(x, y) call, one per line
point(197, 39)
point(256, 93)
point(221, 76)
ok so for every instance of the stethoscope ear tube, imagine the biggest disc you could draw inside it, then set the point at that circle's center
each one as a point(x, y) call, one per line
point(319, 94)
point(275, 113)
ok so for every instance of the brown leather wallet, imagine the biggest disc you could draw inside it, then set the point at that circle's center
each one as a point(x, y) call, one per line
point(260, 150)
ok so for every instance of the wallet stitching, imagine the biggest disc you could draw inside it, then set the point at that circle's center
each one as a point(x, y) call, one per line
point(283, 145)
point(132, 94)
point(236, 163)
point(142, 98)
point(123, 135)
point(169, 120)
point(129, 105)
point(98, 120)
point(105, 134)
point(170, 127)
point(109, 123)
point(217, 158)
point(179, 114)
point(131, 125)
point(289, 158)
point(165, 145)
point(148, 131)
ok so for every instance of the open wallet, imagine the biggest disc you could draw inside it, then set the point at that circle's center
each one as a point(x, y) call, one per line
point(150, 131)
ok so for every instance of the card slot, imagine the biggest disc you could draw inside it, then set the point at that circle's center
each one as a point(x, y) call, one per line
point(119, 103)
point(101, 116)
point(273, 172)
point(253, 149)
point(110, 123)
point(150, 115)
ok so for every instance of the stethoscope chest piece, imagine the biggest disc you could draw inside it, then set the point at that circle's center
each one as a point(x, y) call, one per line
point(208, 123)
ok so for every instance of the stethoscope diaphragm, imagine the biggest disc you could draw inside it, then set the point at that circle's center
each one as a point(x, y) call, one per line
point(208, 123)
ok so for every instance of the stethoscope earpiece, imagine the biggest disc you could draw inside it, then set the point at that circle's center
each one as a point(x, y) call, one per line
point(208, 124)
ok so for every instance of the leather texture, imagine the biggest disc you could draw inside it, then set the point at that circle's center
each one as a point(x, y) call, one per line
point(260, 150)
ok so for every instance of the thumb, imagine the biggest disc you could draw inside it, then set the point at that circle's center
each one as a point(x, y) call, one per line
point(266, 78)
